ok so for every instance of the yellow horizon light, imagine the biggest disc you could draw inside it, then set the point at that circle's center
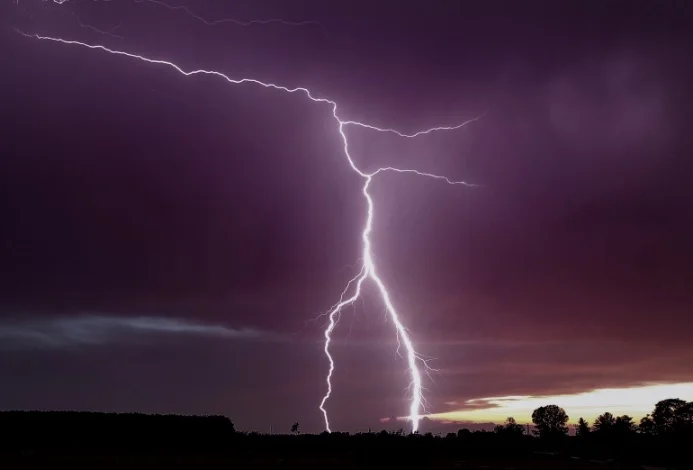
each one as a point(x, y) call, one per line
point(633, 401)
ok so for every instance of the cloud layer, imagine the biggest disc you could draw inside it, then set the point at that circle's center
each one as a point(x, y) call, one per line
point(567, 270)
point(96, 330)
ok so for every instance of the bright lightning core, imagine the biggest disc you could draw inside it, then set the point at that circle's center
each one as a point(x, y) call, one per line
point(368, 268)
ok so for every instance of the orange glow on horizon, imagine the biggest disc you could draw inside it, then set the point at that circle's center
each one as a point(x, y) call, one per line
point(633, 401)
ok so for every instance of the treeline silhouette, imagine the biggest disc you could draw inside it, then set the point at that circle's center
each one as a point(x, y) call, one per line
point(664, 437)
point(86, 431)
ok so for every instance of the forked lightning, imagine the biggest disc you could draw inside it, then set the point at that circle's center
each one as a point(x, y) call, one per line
point(368, 270)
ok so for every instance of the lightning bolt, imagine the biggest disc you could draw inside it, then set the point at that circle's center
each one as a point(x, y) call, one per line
point(368, 270)
point(199, 18)
point(97, 30)
point(207, 22)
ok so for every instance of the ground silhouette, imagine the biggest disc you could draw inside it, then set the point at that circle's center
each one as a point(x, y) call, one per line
point(106, 440)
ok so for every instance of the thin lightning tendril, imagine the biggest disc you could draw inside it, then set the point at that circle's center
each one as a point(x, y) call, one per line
point(368, 269)
point(95, 29)
point(207, 22)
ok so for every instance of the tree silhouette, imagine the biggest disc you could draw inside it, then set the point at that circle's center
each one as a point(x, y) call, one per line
point(188, 435)
point(509, 428)
point(583, 428)
point(624, 425)
point(605, 422)
point(647, 426)
point(550, 421)
point(672, 415)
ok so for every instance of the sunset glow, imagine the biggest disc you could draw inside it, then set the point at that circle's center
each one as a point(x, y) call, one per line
point(633, 401)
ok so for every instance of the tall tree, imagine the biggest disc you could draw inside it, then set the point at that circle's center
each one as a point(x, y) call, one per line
point(670, 414)
point(624, 425)
point(550, 421)
point(583, 428)
point(647, 426)
point(605, 422)
point(685, 415)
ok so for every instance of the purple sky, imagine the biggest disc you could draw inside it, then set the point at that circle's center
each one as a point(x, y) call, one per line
point(165, 239)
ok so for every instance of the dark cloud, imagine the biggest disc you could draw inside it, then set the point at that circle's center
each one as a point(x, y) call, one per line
point(552, 368)
point(219, 210)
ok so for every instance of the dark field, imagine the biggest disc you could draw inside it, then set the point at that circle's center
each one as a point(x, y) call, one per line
point(70, 440)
